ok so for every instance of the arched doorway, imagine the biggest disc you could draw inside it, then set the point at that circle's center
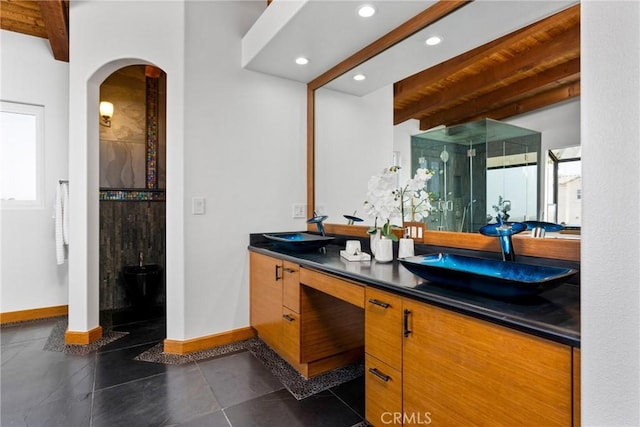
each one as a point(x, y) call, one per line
point(132, 210)
point(84, 178)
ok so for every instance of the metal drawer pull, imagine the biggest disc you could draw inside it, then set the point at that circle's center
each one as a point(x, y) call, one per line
point(289, 270)
point(288, 317)
point(379, 374)
point(380, 303)
point(277, 276)
point(407, 331)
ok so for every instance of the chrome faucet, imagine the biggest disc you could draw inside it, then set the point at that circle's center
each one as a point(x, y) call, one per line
point(140, 258)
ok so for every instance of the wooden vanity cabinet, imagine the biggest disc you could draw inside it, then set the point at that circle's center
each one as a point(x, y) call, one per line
point(290, 340)
point(291, 286)
point(383, 392)
point(274, 302)
point(576, 387)
point(461, 370)
point(312, 330)
point(265, 295)
point(428, 365)
point(383, 327)
point(383, 356)
point(423, 364)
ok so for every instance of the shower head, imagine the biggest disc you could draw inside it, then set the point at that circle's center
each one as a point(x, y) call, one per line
point(444, 156)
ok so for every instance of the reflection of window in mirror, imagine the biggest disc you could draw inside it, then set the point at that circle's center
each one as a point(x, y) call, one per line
point(21, 150)
point(564, 185)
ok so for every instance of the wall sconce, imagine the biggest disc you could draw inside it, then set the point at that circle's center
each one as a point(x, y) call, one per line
point(106, 112)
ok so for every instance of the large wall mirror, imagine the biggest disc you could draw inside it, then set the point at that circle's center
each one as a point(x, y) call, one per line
point(358, 130)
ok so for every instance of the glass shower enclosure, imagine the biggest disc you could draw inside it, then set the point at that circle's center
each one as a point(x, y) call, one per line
point(479, 167)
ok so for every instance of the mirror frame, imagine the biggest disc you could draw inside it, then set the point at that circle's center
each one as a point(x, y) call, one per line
point(565, 249)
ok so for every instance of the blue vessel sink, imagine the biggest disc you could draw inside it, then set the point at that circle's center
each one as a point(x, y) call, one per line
point(487, 276)
point(299, 242)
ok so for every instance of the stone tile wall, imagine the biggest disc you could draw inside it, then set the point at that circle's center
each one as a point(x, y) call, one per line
point(126, 228)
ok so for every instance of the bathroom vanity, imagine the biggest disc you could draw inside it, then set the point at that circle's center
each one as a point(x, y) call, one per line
point(433, 355)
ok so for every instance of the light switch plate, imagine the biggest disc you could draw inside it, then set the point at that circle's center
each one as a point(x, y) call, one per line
point(198, 205)
point(299, 210)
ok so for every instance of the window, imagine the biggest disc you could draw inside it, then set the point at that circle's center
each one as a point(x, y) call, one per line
point(565, 185)
point(21, 154)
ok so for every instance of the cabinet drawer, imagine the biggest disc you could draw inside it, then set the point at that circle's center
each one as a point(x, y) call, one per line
point(290, 345)
point(291, 286)
point(351, 292)
point(383, 327)
point(383, 392)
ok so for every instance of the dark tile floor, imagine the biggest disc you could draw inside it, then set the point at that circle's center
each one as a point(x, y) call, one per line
point(108, 388)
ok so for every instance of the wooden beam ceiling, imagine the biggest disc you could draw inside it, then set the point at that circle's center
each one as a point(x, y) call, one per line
point(55, 14)
point(47, 19)
point(23, 17)
point(530, 68)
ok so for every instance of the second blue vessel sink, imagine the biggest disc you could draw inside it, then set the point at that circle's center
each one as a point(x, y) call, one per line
point(300, 242)
point(487, 276)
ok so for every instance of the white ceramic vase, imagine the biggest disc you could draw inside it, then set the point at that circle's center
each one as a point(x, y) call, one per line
point(384, 250)
point(373, 241)
point(405, 248)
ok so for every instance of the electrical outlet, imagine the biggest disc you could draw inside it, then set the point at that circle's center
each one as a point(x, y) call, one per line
point(319, 210)
point(299, 210)
point(198, 205)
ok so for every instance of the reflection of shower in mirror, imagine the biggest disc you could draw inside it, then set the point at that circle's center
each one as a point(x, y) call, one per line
point(474, 162)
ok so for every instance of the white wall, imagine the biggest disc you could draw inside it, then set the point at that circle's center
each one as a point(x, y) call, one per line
point(402, 133)
point(245, 151)
point(235, 137)
point(30, 277)
point(610, 276)
point(354, 140)
point(139, 32)
point(558, 123)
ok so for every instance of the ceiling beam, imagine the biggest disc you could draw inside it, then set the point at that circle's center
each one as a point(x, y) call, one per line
point(565, 46)
point(535, 102)
point(406, 87)
point(55, 15)
point(560, 75)
point(23, 17)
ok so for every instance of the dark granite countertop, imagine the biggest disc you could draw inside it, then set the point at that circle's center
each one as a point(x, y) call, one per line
point(553, 315)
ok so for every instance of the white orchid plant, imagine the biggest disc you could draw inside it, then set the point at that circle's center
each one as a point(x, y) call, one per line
point(386, 200)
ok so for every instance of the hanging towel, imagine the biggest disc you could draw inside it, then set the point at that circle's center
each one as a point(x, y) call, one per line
point(62, 221)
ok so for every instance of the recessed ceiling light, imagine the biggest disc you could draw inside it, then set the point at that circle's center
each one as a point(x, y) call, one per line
point(359, 77)
point(302, 60)
point(434, 40)
point(366, 11)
